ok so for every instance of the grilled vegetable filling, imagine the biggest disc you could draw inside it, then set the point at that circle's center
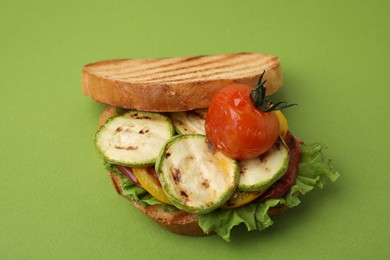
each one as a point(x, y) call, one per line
point(134, 138)
point(194, 178)
point(259, 173)
point(190, 174)
point(189, 122)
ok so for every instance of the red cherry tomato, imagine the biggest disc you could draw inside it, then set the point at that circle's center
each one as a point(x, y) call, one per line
point(236, 127)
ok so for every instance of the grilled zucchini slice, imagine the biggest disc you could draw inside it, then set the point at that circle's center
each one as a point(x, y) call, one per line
point(194, 178)
point(189, 122)
point(259, 173)
point(133, 139)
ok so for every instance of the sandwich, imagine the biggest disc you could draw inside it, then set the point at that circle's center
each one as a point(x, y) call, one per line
point(197, 144)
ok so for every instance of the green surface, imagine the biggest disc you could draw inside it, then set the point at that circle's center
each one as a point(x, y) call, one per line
point(56, 201)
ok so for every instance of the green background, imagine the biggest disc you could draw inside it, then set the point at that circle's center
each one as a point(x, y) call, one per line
point(56, 201)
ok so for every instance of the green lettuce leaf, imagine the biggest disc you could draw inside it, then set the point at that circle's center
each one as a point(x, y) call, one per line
point(137, 194)
point(314, 170)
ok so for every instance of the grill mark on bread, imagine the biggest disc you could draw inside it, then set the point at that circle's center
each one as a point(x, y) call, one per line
point(216, 73)
point(193, 58)
point(122, 65)
point(243, 72)
point(117, 67)
point(197, 70)
point(194, 63)
point(169, 95)
point(226, 74)
point(130, 67)
point(178, 67)
point(182, 69)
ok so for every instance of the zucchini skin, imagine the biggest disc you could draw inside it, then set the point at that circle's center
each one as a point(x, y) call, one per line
point(139, 115)
point(264, 184)
point(181, 203)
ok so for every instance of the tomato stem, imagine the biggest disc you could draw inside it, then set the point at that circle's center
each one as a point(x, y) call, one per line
point(262, 101)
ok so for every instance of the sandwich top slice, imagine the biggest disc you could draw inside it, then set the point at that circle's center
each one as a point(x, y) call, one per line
point(175, 84)
point(153, 141)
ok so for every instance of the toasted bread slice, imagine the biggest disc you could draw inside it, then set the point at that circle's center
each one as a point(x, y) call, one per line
point(178, 222)
point(175, 84)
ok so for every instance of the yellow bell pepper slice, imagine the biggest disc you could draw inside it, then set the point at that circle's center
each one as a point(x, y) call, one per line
point(240, 198)
point(150, 184)
point(282, 122)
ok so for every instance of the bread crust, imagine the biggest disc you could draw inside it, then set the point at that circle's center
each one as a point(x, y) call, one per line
point(171, 93)
point(179, 222)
